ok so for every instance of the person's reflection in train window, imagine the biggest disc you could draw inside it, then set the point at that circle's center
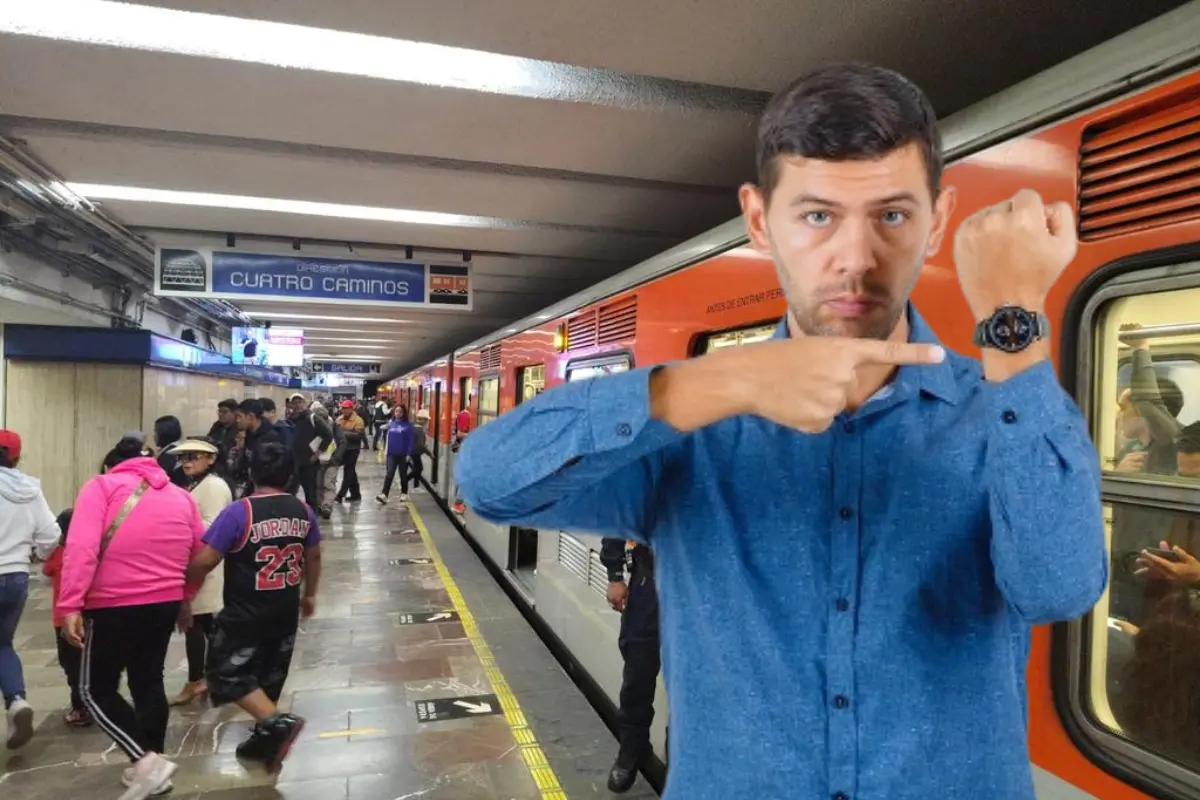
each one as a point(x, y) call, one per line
point(1149, 415)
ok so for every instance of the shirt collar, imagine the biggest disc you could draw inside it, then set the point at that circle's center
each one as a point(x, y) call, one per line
point(936, 380)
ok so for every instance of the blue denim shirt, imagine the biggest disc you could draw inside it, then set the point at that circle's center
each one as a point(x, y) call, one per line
point(845, 614)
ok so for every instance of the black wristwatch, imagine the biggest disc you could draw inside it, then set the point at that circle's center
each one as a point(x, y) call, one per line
point(1011, 329)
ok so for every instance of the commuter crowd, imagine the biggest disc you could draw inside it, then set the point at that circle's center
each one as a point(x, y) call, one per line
point(204, 535)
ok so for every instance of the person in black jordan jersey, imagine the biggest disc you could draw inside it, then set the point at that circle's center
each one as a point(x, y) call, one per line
point(270, 543)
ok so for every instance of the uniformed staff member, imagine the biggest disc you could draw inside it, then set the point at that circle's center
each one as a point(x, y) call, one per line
point(854, 530)
point(638, 603)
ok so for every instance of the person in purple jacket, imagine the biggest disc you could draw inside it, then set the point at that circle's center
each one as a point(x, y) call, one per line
point(397, 445)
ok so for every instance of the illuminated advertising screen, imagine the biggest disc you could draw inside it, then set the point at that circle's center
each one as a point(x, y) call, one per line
point(268, 347)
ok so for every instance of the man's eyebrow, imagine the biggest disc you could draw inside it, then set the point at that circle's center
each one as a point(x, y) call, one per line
point(814, 200)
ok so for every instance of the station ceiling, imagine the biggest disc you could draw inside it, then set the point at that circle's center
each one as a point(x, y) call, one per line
point(557, 141)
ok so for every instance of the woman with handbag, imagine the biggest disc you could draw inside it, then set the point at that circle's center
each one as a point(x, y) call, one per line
point(132, 536)
point(198, 459)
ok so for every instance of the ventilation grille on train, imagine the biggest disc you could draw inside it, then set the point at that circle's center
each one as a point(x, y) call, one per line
point(1142, 170)
point(582, 562)
point(616, 322)
point(489, 357)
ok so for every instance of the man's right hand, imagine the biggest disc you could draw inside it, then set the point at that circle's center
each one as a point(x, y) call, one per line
point(798, 383)
point(618, 595)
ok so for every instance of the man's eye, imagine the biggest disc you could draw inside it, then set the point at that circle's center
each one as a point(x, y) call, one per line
point(893, 218)
point(818, 218)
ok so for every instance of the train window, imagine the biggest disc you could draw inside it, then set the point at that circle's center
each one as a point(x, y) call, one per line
point(464, 393)
point(531, 381)
point(489, 399)
point(1135, 663)
point(592, 369)
point(735, 338)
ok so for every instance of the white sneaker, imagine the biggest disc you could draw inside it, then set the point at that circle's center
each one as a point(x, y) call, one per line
point(150, 777)
point(127, 778)
point(381, 499)
point(20, 723)
point(403, 498)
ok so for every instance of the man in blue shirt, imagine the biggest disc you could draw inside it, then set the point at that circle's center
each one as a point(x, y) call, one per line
point(853, 529)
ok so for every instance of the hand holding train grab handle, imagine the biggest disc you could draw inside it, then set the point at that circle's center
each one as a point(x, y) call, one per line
point(1013, 252)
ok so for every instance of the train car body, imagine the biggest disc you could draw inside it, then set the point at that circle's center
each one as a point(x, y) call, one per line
point(1122, 145)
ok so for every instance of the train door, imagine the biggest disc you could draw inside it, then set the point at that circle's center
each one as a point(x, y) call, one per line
point(523, 542)
point(435, 435)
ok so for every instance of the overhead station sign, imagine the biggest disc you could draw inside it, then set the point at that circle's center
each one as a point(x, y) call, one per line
point(231, 275)
point(346, 367)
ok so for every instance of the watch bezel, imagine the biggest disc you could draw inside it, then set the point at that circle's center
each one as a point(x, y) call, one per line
point(987, 336)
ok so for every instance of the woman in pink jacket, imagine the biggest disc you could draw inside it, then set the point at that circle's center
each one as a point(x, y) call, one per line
point(131, 538)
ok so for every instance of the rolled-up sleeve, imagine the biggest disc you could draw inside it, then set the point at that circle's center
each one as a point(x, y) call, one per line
point(1043, 472)
point(583, 456)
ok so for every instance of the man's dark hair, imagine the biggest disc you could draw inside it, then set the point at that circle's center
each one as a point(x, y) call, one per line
point(5, 460)
point(251, 406)
point(267, 403)
point(847, 112)
point(228, 405)
point(166, 430)
point(272, 466)
point(1189, 439)
point(1172, 396)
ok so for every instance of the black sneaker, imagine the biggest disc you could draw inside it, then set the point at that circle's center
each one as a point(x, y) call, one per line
point(255, 748)
point(624, 770)
point(280, 735)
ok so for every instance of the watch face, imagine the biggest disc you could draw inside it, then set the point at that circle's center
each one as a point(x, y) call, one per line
point(1011, 329)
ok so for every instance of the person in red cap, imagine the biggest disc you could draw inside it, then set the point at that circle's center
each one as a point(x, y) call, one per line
point(26, 524)
point(354, 429)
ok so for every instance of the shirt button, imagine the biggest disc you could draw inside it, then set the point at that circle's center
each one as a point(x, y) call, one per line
point(848, 427)
point(842, 604)
point(845, 512)
point(840, 796)
point(841, 701)
point(624, 429)
point(1009, 416)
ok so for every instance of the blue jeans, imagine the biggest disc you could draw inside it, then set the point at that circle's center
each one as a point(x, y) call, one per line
point(14, 591)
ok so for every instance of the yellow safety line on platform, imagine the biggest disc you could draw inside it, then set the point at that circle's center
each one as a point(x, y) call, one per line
point(531, 751)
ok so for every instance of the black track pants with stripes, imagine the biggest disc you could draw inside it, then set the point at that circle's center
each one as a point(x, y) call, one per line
point(133, 640)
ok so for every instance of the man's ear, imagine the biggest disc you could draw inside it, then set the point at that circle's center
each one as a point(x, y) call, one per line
point(754, 210)
point(943, 208)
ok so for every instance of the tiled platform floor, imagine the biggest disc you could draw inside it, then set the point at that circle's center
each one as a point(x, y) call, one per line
point(358, 676)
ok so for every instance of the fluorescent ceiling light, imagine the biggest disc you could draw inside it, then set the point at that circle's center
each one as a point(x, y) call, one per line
point(372, 357)
point(327, 344)
point(308, 338)
point(408, 216)
point(391, 336)
point(275, 44)
point(290, 315)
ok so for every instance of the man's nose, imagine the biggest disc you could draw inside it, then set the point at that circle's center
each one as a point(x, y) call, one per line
point(855, 247)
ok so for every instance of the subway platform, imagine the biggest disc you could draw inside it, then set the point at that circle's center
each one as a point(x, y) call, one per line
point(418, 677)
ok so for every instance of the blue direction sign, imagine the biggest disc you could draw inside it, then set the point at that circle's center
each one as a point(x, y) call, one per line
point(232, 275)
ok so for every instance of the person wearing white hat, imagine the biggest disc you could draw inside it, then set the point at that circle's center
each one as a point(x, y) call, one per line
point(199, 461)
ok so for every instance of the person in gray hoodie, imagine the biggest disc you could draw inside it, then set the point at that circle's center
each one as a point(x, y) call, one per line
point(26, 526)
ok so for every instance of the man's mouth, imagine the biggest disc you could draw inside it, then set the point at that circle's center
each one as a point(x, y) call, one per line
point(852, 305)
